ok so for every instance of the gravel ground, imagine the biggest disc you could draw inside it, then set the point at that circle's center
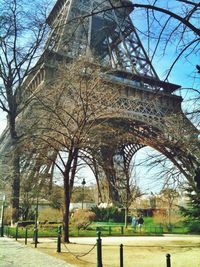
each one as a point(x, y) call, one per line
point(144, 251)
point(140, 251)
point(141, 240)
point(14, 254)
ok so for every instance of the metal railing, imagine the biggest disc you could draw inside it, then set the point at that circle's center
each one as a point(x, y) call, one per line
point(99, 255)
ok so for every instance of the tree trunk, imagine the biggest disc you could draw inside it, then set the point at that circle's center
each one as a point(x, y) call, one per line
point(126, 217)
point(68, 185)
point(73, 172)
point(96, 174)
point(66, 207)
point(15, 163)
point(128, 193)
point(15, 185)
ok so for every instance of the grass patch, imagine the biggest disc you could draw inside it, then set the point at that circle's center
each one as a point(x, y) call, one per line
point(107, 229)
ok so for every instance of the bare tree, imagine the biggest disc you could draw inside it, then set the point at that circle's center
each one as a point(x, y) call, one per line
point(169, 196)
point(127, 186)
point(171, 31)
point(22, 34)
point(165, 25)
point(70, 113)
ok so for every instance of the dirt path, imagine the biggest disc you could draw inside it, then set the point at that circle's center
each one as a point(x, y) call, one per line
point(138, 251)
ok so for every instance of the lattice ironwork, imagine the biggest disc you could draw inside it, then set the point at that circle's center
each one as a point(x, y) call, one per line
point(108, 34)
point(145, 107)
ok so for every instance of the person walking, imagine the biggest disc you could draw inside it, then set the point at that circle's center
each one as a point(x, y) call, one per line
point(134, 223)
point(140, 222)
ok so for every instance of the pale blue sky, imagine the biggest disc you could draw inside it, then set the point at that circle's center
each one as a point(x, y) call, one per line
point(2, 121)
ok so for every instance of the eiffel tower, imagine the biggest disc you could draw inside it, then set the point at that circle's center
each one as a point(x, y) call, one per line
point(151, 113)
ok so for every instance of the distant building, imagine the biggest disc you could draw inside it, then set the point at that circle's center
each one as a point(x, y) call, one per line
point(157, 203)
point(42, 204)
point(78, 205)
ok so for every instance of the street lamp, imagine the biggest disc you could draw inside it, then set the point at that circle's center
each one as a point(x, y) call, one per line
point(83, 184)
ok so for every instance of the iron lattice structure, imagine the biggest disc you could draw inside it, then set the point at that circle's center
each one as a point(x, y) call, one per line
point(148, 106)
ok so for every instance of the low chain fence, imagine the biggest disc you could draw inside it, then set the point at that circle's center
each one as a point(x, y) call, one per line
point(20, 232)
point(121, 230)
point(116, 230)
point(99, 255)
point(34, 233)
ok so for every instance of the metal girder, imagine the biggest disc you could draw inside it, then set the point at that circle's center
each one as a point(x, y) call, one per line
point(145, 106)
point(88, 156)
point(80, 27)
point(128, 151)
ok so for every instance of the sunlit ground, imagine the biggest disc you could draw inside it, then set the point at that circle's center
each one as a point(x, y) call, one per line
point(138, 251)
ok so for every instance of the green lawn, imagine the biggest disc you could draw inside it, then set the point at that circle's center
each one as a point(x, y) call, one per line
point(106, 228)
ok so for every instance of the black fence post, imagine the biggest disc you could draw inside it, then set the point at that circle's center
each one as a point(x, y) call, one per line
point(122, 230)
point(16, 233)
point(168, 260)
point(2, 217)
point(121, 256)
point(2, 230)
point(59, 239)
point(99, 250)
point(26, 235)
point(35, 236)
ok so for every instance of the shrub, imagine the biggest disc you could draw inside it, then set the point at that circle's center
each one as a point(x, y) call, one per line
point(111, 214)
point(7, 216)
point(193, 227)
point(162, 218)
point(82, 218)
point(25, 223)
point(50, 214)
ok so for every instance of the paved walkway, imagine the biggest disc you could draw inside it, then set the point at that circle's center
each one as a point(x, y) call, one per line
point(14, 254)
